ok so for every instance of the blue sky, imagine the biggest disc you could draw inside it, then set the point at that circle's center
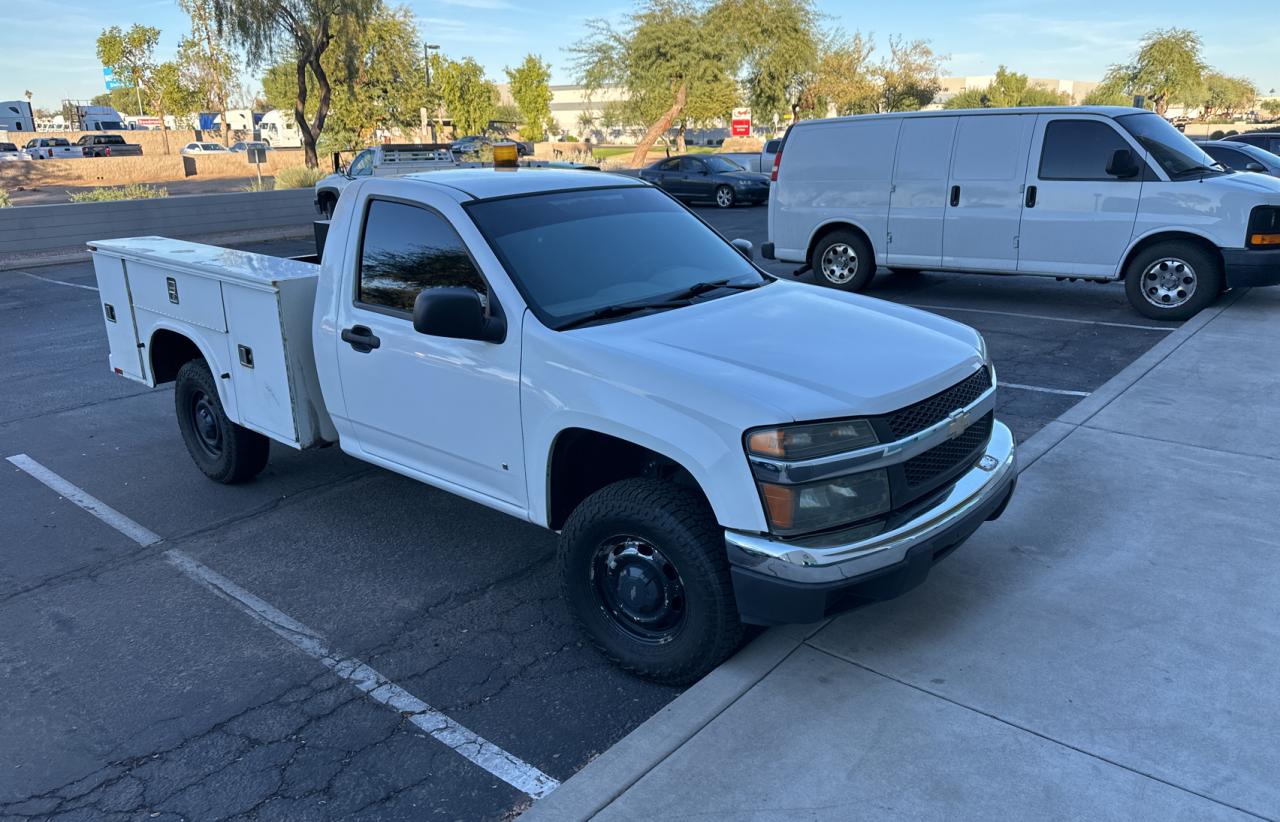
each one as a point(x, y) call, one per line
point(47, 46)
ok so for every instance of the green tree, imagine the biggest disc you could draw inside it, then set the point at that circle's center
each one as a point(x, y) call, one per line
point(1008, 90)
point(130, 54)
point(167, 93)
point(1272, 106)
point(470, 100)
point(1168, 68)
point(305, 29)
point(530, 88)
point(120, 99)
point(1109, 93)
point(778, 49)
point(842, 81)
point(207, 63)
point(907, 79)
point(665, 55)
point(1226, 96)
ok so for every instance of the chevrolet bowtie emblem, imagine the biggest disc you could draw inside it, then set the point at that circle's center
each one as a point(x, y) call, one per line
point(957, 422)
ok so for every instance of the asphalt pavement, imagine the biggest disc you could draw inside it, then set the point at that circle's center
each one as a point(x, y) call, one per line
point(136, 687)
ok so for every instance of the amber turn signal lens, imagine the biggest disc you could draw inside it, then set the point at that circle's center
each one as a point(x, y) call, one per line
point(779, 500)
point(1265, 239)
point(766, 443)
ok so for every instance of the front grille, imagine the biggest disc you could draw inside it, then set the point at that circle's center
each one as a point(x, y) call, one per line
point(916, 418)
point(941, 459)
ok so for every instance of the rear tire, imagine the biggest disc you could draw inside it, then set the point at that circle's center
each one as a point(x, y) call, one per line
point(1173, 280)
point(644, 574)
point(843, 260)
point(725, 198)
point(224, 451)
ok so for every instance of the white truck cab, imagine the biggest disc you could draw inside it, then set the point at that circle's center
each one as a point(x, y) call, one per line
point(714, 446)
point(1096, 193)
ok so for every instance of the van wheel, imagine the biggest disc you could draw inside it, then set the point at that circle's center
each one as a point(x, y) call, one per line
point(644, 573)
point(1173, 280)
point(725, 197)
point(843, 260)
point(224, 451)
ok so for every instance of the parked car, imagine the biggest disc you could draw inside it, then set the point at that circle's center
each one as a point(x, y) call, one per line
point(1096, 193)
point(1242, 156)
point(245, 145)
point(107, 145)
point(196, 149)
point(708, 177)
point(1269, 140)
point(10, 151)
point(388, 160)
point(578, 351)
point(471, 144)
point(768, 154)
point(51, 148)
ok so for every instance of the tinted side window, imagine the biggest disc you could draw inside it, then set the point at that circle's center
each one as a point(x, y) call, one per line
point(406, 249)
point(1229, 157)
point(691, 166)
point(1079, 150)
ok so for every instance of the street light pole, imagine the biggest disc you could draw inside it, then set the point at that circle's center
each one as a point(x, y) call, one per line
point(429, 121)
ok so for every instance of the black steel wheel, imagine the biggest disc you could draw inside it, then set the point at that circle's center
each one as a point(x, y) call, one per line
point(224, 451)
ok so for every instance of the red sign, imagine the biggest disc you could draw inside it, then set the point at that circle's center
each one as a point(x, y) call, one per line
point(740, 125)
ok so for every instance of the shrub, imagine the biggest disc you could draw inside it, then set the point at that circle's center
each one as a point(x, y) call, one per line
point(568, 138)
point(298, 177)
point(133, 191)
point(257, 185)
point(4, 199)
point(1217, 135)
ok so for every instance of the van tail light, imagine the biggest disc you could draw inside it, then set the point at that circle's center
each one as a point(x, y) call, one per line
point(108, 154)
point(777, 161)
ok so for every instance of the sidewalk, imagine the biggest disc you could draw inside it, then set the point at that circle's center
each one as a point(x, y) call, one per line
point(1109, 649)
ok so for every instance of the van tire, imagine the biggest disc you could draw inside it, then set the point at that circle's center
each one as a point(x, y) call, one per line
point(843, 260)
point(661, 540)
point(1173, 280)
point(225, 452)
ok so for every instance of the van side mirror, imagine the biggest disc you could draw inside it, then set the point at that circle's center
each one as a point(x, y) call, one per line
point(1123, 165)
point(456, 313)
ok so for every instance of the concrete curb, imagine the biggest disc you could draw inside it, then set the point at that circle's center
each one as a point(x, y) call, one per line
point(77, 254)
point(611, 774)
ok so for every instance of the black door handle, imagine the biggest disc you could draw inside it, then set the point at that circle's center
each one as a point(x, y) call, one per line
point(1031, 196)
point(955, 195)
point(360, 338)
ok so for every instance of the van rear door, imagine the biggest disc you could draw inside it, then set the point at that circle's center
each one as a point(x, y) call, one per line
point(918, 202)
point(984, 198)
point(1077, 218)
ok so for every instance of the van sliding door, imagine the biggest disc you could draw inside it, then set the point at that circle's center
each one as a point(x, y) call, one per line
point(918, 202)
point(984, 198)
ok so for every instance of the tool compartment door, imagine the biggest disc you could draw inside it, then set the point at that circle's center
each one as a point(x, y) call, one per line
point(259, 366)
point(117, 311)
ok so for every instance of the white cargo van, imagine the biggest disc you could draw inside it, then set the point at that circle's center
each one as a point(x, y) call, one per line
point(1097, 193)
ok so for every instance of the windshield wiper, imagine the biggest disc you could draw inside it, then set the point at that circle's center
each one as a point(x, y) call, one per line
point(610, 312)
point(1199, 169)
point(702, 288)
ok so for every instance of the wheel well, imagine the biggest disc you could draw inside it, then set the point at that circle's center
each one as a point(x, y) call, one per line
point(1169, 236)
point(821, 233)
point(169, 352)
point(583, 461)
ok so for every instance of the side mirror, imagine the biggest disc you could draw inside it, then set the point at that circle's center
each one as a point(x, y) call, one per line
point(1258, 167)
point(1123, 165)
point(744, 247)
point(456, 313)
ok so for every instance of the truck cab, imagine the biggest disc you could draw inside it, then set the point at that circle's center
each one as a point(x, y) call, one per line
point(714, 446)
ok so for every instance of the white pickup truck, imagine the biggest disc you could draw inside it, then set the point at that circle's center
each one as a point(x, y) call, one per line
point(579, 350)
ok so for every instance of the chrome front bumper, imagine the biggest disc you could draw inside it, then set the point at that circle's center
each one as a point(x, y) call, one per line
point(831, 558)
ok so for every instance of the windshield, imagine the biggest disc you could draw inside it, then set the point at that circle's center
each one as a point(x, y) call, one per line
point(575, 252)
point(723, 164)
point(1169, 147)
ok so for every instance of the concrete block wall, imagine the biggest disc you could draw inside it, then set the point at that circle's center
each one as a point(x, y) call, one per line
point(46, 227)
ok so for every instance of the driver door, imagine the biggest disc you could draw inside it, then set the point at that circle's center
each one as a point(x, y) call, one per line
point(446, 409)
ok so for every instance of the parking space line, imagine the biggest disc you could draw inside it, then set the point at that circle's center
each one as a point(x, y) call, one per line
point(510, 769)
point(1063, 391)
point(92, 504)
point(1077, 320)
point(55, 282)
point(515, 772)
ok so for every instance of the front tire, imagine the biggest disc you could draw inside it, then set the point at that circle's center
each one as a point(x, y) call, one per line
point(224, 451)
point(644, 573)
point(1173, 280)
point(725, 197)
point(843, 260)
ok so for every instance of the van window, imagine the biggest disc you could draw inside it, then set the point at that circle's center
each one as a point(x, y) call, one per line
point(1079, 150)
point(407, 248)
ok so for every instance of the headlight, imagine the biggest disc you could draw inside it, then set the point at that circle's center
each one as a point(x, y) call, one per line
point(802, 442)
point(801, 509)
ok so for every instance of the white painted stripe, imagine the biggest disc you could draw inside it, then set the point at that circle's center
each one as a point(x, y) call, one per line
point(92, 504)
point(1043, 390)
point(56, 282)
point(515, 772)
point(1166, 329)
